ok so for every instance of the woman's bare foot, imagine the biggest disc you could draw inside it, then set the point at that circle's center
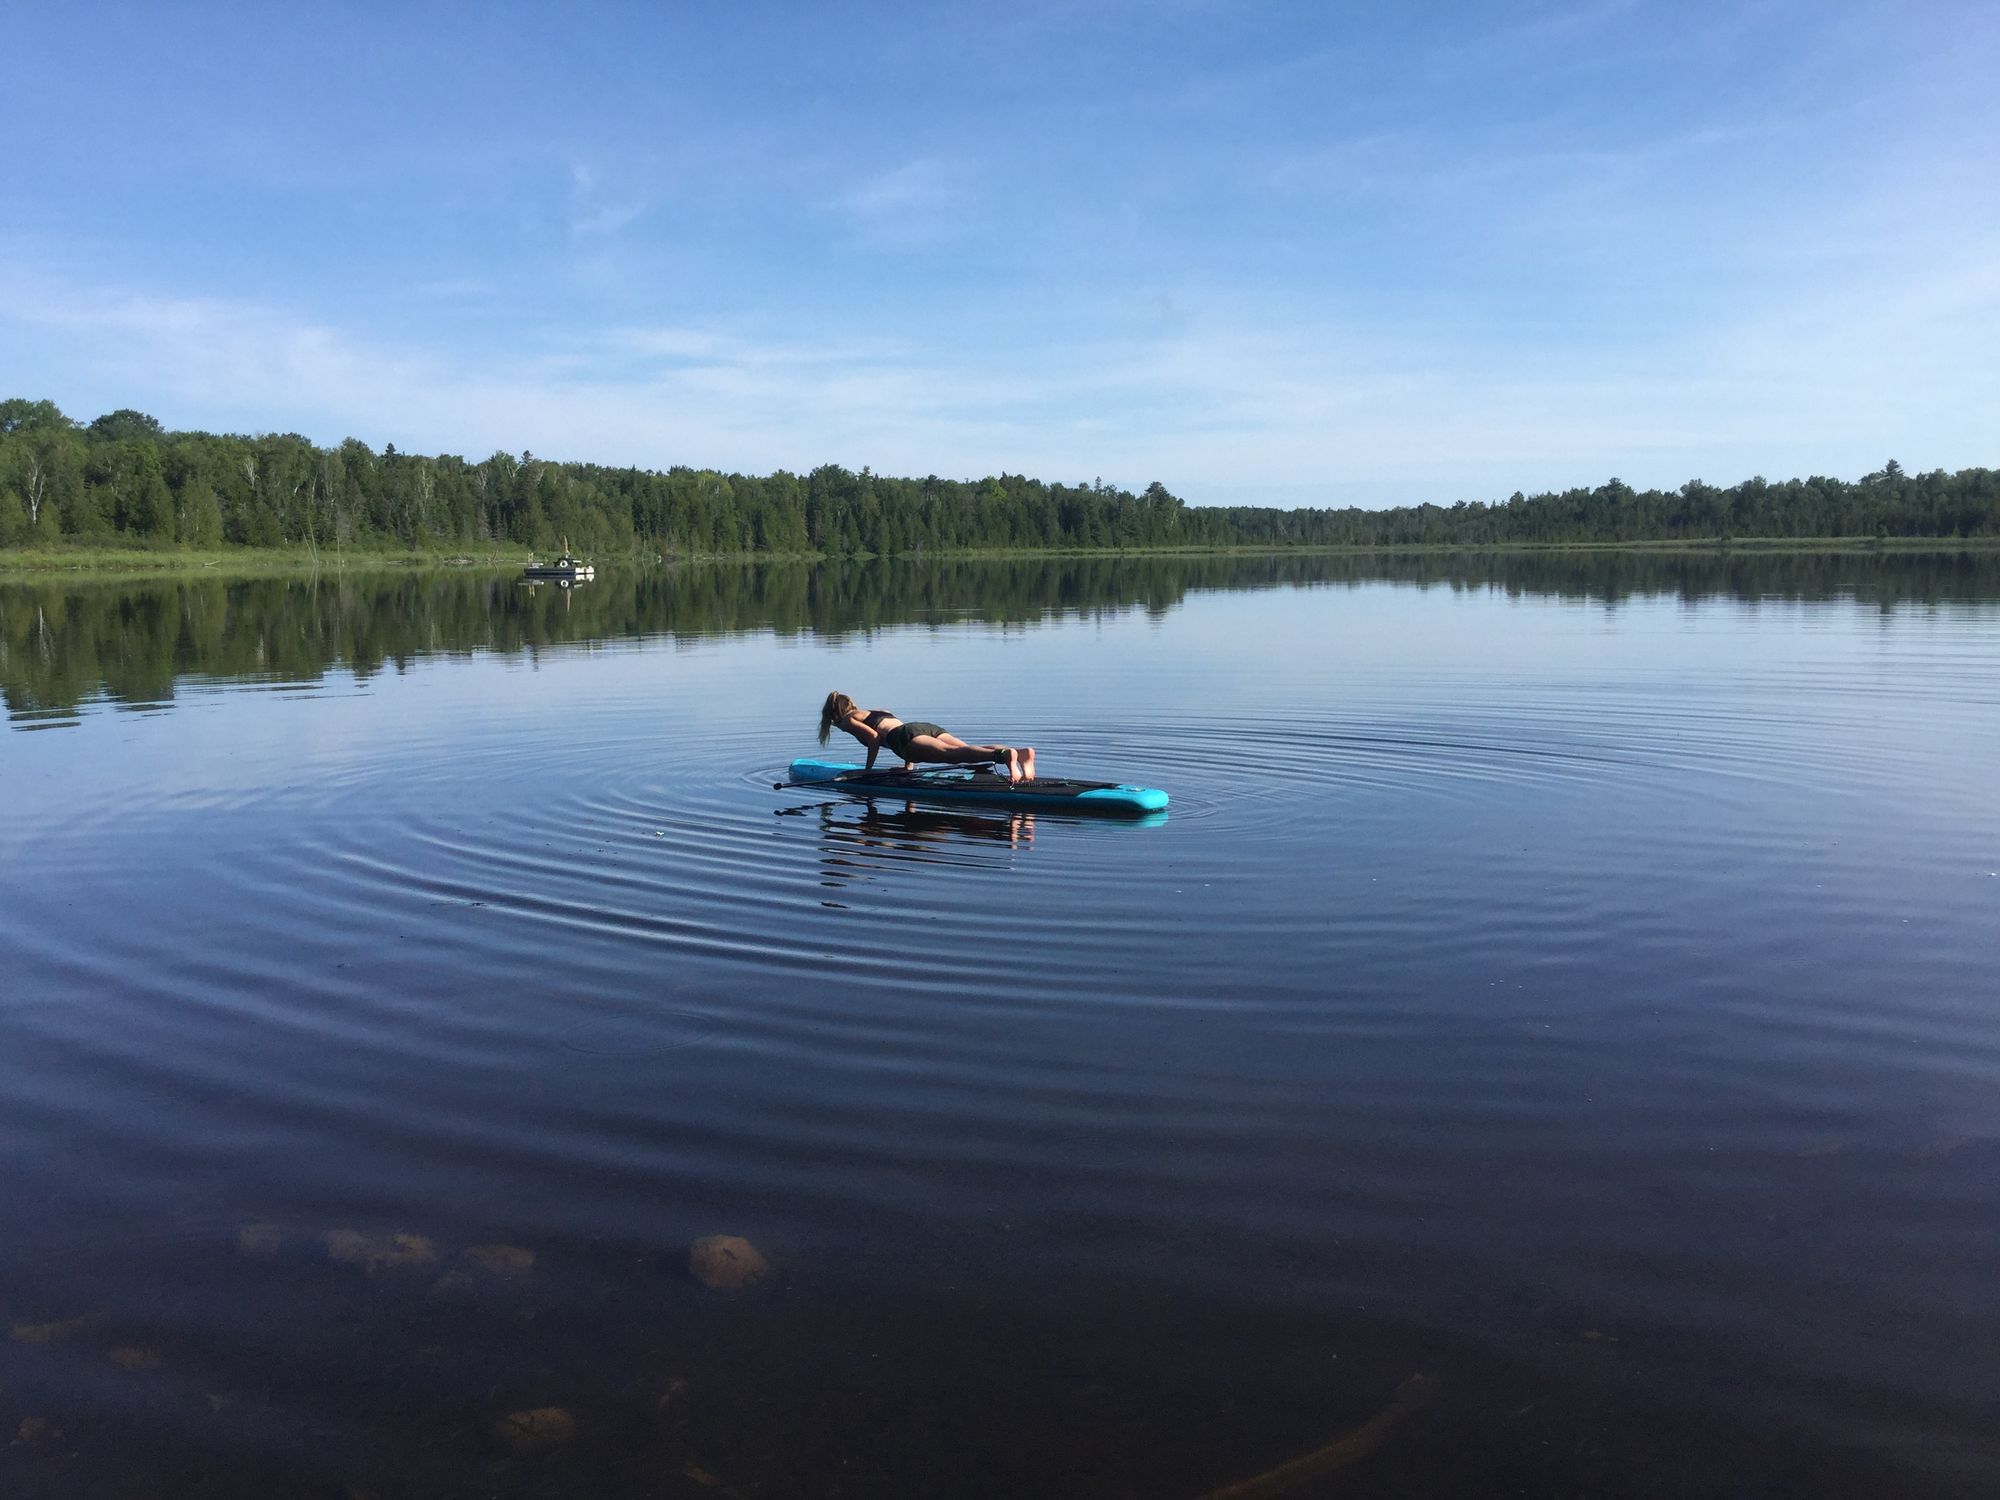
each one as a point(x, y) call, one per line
point(1013, 764)
point(1025, 757)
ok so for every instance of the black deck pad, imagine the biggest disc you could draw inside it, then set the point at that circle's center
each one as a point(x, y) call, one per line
point(969, 780)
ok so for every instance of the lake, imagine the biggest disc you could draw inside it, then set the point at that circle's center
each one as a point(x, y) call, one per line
point(1549, 1047)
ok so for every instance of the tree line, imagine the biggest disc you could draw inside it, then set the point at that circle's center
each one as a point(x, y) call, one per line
point(123, 479)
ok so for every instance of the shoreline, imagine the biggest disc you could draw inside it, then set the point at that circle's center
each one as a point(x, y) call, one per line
point(247, 562)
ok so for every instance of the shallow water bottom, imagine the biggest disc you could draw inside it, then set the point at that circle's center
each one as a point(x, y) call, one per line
point(1547, 1047)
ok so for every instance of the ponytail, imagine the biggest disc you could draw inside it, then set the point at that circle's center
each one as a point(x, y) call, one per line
point(837, 706)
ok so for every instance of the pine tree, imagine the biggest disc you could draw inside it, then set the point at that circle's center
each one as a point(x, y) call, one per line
point(153, 503)
point(13, 519)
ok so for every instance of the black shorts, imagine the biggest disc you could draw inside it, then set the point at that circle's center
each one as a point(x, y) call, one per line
point(898, 739)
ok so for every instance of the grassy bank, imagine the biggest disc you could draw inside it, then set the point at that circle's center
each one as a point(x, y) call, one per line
point(237, 562)
point(1706, 546)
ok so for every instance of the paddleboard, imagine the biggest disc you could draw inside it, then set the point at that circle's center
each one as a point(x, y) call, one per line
point(978, 784)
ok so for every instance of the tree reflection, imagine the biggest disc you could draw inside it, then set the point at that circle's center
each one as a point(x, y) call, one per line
point(67, 644)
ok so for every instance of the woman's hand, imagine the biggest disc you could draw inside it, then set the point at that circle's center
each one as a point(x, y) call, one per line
point(858, 726)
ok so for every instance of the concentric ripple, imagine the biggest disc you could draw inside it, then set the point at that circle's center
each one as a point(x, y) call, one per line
point(1591, 1015)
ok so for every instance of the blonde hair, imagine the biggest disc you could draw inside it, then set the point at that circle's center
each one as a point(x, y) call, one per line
point(837, 706)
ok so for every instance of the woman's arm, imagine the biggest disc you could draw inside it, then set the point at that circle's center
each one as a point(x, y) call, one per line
point(863, 731)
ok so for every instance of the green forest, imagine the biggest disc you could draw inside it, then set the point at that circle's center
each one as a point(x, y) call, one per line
point(122, 480)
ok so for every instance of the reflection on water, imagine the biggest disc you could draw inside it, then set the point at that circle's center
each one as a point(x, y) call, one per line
point(858, 846)
point(1550, 1050)
point(64, 645)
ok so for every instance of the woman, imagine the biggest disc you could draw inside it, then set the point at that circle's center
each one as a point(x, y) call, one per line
point(916, 740)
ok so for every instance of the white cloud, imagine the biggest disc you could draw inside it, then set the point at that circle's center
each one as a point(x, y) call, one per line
point(918, 203)
point(706, 346)
point(599, 210)
point(1228, 403)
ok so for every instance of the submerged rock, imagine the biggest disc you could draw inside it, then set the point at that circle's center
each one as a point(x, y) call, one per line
point(31, 1429)
point(135, 1357)
point(259, 1241)
point(375, 1252)
point(454, 1286)
point(48, 1333)
point(484, 1271)
point(536, 1431)
point(726, 1262)
point(1349, 1448)
point(501, 1260)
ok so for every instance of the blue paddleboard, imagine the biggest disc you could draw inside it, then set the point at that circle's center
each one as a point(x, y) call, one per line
point(977, 784)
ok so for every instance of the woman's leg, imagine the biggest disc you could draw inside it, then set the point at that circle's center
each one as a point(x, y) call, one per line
point(1020, 763)
point(953, 742)
point(949, 749)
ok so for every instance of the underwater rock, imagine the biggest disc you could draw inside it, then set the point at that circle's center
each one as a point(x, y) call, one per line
point(259, 1241)
point(454, 1286)
point(135, 1357)
point(31, 1429)
point(48, 1333)
point(725, 1262)
point(708, 1480)
point(1349, 1448)
point(536, 1431)
point(482, 1270)
point(380, 1251)
point(501, 1260)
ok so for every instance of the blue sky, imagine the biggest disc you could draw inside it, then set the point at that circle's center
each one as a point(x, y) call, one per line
point(1289, 254)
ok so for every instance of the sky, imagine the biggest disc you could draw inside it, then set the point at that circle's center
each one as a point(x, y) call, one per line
point(1289, 254)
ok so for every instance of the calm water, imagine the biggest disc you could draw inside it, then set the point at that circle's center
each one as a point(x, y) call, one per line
point(1551, 1044)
